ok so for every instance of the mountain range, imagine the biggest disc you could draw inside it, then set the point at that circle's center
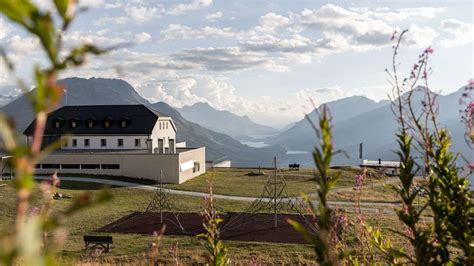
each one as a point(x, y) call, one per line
point(95, 91)
point(360, 120)
point(238, 127)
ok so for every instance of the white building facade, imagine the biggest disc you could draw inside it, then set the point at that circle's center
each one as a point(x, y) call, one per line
point(120, 133)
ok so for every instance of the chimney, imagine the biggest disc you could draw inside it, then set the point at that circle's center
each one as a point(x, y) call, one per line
point(380, 161)
point(149, 145)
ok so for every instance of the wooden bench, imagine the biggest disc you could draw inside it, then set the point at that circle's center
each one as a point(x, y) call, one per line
point(104, 242)
point(294, 166)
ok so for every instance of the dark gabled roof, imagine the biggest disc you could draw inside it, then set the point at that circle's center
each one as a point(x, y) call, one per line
point(141, 120)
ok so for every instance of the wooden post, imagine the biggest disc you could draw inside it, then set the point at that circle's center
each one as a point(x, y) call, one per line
point(161, 197)
point(275, 195)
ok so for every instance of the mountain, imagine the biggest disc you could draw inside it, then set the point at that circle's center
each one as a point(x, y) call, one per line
point(95, 91)
point(357, 120)
point(238, 127)
point(301, 133)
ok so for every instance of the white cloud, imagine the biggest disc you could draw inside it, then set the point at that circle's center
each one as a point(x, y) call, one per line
point(223, 59)
point(180, 9)
point(142, 13)
point(461, 33)
point(214, 16)
point(180, 32)
point(401, 14)
point(420, 36)
point(142, 37)
point(78, 37)
point(270, 22)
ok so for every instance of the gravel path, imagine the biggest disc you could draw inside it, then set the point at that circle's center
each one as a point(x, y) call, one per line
point(370, 206)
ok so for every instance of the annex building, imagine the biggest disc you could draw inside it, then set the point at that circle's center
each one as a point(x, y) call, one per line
point(117, 140)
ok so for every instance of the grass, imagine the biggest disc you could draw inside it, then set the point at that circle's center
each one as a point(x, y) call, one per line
point(238, 182)
point(133, 249)
point(130, 247)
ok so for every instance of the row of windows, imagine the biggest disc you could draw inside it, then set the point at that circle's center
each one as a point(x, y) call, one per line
point(163, 125)
point(91, 122)
point(103, 143)
point(77, 166)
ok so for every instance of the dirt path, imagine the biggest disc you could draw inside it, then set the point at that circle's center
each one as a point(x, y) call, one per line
point(369, 206)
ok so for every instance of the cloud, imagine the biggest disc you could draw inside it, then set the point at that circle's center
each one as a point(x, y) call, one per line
point(401, 14)
point(270, 22)
point(79, 37)
point(142, 13)
point(214, 16)
point(142, 37)
point(180, 9)
point(461, 33)
point(223, 59)
point(420, 36)
point(180, 32)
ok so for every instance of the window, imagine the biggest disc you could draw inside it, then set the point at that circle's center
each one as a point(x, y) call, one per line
point(90, 124)
point(87, 142)
point(107, 124)
point(50, 166)
point(123, 123)
point(160, 125)
point(196, 167)
point(70, 166)
point(38, 166)
point(110, 166)
point(166, 125)
point(74, 142)
point(120, 142)
point(138, 143)
point(73, 124)
point(90, 166)
point(103, 142)
point(57, 124)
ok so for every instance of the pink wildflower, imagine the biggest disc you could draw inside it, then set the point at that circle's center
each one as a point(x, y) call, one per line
point(408, 232)
point(470, 166)
point(156, 233)
point(360, 219)
point(429, 50)
point(404, 208)
point(415, 66)
point(34, 211)
point(359, 179)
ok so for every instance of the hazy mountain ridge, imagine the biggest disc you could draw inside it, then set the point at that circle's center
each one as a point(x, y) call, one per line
point(95, 91)
point(238, 127)
point(374, 127)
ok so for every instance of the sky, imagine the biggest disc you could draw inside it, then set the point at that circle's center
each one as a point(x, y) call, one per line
point(266, 59)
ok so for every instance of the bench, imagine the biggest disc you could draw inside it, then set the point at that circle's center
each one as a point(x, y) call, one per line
point(294, 166)
point(105, 242)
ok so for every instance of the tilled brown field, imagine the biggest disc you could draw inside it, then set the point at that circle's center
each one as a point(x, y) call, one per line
point(259, 227)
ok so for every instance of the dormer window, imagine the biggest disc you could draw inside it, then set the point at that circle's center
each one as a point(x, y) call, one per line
point(91, 122)
point(57, 123)
point(124, 122)
point(74, 123)
point(107, 122)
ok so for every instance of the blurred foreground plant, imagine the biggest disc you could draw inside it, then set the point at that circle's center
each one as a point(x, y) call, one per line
point(324, 242)
point(26, 243)
point(217, 251)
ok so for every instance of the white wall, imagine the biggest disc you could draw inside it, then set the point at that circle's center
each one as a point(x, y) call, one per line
point(164, 129)
point(112, 142)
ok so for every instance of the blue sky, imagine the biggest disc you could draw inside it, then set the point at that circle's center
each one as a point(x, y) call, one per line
point(265, 59)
